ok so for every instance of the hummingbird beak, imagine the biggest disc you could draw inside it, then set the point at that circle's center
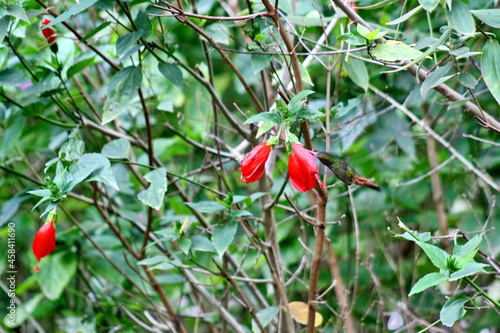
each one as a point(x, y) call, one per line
point(362, 181)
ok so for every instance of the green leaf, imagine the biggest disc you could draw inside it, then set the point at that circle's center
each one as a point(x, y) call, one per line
point(93, 32)
point(73, 10)
point(435, 78)
point(11, 206)
point(12, 77)
point(79, 66)
point(393, 50)
point(17, 12)
point(458, 103)
point(121, 88)
point(4, 26)
point(71, 150)
point(307, 114)
point(12, 133)
point(352, 39)
point(143, 24)
point(429, 5)
point(460, 262)
point(90, 167)
point(260, 61)
point(223, 236)
point(470, 269)
point(154, 194)
point(453, 310)
point(239, 213)
point(172, 73)
point(461, 19)
point(370, 35)
point(437, 256)
point(273, 116)
point(206, 206)
point(56, 271)
point(265, 316)
point(405, 16)
point(125, 42)
point(470, 246)
point(429, 280)
point(201, 243)
point(296, 102)
point(490, 17)
point(264, 127)
point(490, 68)
point(185, 245)
point(219, 32)
point(152, 260)
point(356, 69)
point(119, 148)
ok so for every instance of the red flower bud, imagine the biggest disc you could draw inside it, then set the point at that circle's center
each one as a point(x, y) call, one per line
point(50, 36)
point(44, 242)
point(302, 168)
point(252, 166)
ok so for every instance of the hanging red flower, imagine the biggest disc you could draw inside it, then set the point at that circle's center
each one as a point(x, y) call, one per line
point(44, 242)
point(252, 166)
point(302, 168)
point(50, 36)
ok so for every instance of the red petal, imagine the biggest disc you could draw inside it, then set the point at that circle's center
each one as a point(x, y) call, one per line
point(252, 166)
point(302, 168)
point(44, 242)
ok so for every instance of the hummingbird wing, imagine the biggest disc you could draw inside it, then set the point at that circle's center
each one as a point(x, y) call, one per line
point(341, 172)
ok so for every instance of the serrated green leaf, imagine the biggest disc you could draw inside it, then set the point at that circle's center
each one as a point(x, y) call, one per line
point(429, 280)
point(41, 193)
point(273, 116)
point(436, 78)
point(154, 194)
point(490, 17)
point(125, 42)
point(265, 316)
point(461, 19)
point(453, 310)
point(73, 10)
point(264, 127)
point(356, 69)
point(428, 5)
point(470, 269)
point(118, 148)
point(362, 30)
point(405, 16)
point(490, 68)
point(223, 236)
point(437, 256)
point(393, 50)
point(172, 73)
point(296, 101)
point(306, 113)
point(122, 86)
point(56, 271)
point(206, 206)
point(201, 243)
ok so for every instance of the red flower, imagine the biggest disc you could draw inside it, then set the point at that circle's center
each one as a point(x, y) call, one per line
point(50, 36)
point(44, 242)
point(252, 166)
point(302, 168)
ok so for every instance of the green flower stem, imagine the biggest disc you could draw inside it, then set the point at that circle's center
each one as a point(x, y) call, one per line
point(481, 292)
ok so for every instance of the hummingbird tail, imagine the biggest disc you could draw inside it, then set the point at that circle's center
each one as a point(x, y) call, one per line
point(365, 182)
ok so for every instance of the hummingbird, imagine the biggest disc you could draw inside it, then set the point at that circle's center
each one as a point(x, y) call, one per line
point(344, 171)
